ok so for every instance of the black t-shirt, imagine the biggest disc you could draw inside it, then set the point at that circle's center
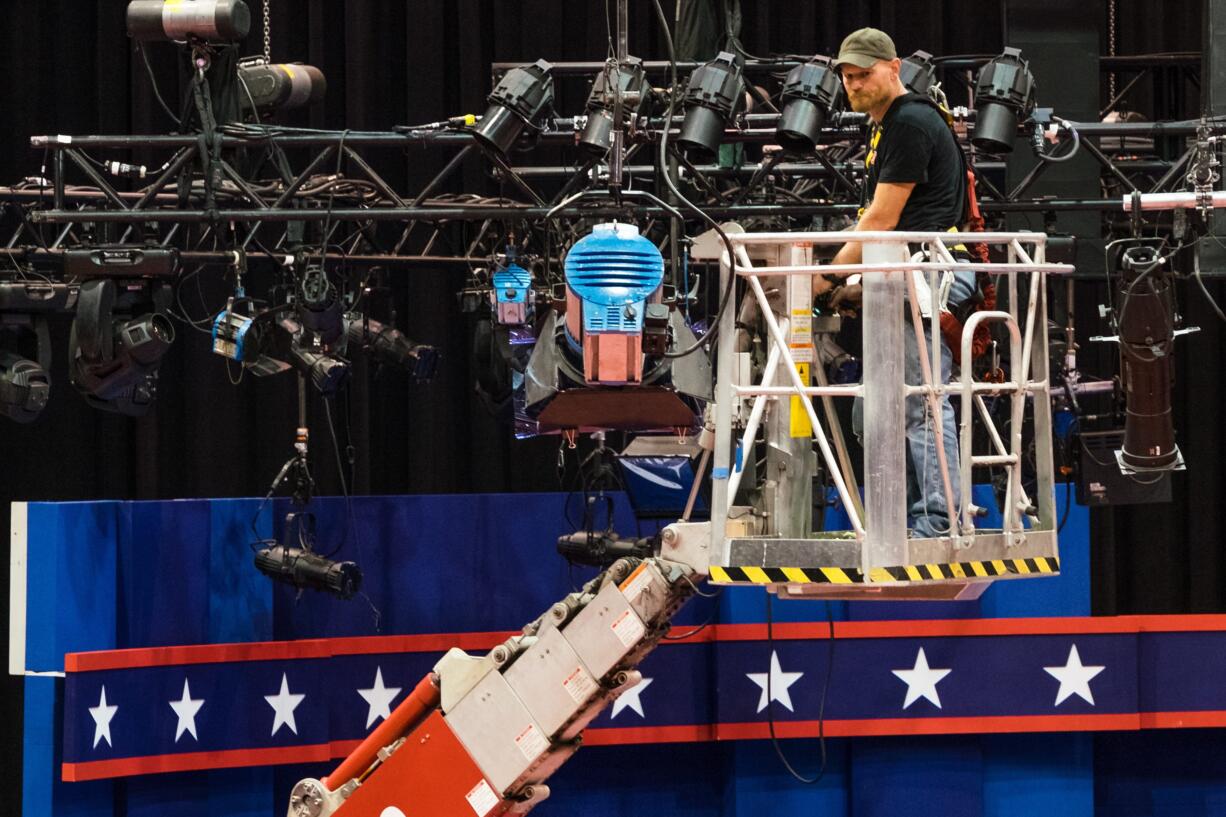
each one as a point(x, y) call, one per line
point(913, 144)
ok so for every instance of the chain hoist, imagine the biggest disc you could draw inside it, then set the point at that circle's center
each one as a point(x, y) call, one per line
point(268, 32)
point(1111, 46)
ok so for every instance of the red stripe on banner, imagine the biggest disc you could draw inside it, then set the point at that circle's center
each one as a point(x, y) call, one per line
point(196, 654)
point(610, 736)
point(933, 726)
point(193, 761)
point(1179, 624)
point(955, 628)
point(433, 642)
point(696, 733)
point(277, 650)
point(440, 642)
point(1181, 720)
point(343, 748)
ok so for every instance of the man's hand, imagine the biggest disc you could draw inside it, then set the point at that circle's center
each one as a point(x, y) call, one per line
point(846, 299)
point(822, 285)
point(882, 214)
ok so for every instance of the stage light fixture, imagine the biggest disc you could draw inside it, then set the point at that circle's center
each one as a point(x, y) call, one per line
point(1004, 94)
point(628, 78)
point(282, 86)
point(147, 338)
point(602, 548)
point(388, 345)
point(307, 570)
point(517, 102)
point(114, 363)
point(25, 358)
point(214, 21)
point(319, 307)
point(715, 92)
point(918, 72)
point(326, 372)
point(1145, 309)
point(236, 335)
point(294, 561)
point(24, 387)
point(810, 94)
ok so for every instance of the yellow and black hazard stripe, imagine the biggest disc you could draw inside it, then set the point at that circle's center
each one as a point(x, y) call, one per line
point(1039, 565)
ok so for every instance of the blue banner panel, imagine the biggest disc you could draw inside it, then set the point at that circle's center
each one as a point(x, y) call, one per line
point(173, 709)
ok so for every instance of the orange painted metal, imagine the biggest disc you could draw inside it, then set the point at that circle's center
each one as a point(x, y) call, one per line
point(613, 359)
point(412, 711)
point(430, 774)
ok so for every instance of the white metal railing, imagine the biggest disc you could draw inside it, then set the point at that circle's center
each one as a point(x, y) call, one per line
point(881, 529)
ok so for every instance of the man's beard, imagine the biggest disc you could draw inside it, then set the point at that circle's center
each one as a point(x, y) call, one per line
point(865, 101)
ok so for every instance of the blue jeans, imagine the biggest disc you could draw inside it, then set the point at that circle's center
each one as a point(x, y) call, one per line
point(925, 486)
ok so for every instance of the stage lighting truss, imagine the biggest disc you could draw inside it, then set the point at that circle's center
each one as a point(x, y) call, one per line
point(91, 216)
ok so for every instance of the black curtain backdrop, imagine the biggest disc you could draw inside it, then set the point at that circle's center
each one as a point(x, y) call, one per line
point(68, 67)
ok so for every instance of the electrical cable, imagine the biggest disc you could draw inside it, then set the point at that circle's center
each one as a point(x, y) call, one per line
point(730, 38)
point(1068, 503)
point(153, 82)
point(1201, 282)
point(726, 296)
point(821, 712)
point(255, 111)
point(350, 526)
point(323, 248)
point(1063, 157)
point(705, 623)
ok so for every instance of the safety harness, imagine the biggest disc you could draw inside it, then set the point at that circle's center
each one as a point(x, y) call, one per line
point(984, 298)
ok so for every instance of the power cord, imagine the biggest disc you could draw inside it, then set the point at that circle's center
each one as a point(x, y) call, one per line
point(821, 712)
point(157, 93)
point(726, 296)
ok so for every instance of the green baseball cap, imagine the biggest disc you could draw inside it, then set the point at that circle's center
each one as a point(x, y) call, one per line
point(865, 46)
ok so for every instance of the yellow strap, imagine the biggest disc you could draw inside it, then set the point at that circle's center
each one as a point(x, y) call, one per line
point(957, 247)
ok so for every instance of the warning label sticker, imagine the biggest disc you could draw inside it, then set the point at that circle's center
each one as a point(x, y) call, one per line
point(482, 798)
point(628, 628)
point(531, 742)
point(636, 583)
point(580, 684)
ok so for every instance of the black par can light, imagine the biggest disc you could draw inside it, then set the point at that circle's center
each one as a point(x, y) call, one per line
point(628, 79)
point(1004, 95)
point(518, 101)
point(918, 72)
point(712, 97)
point(214, 21)
point(810, 93)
